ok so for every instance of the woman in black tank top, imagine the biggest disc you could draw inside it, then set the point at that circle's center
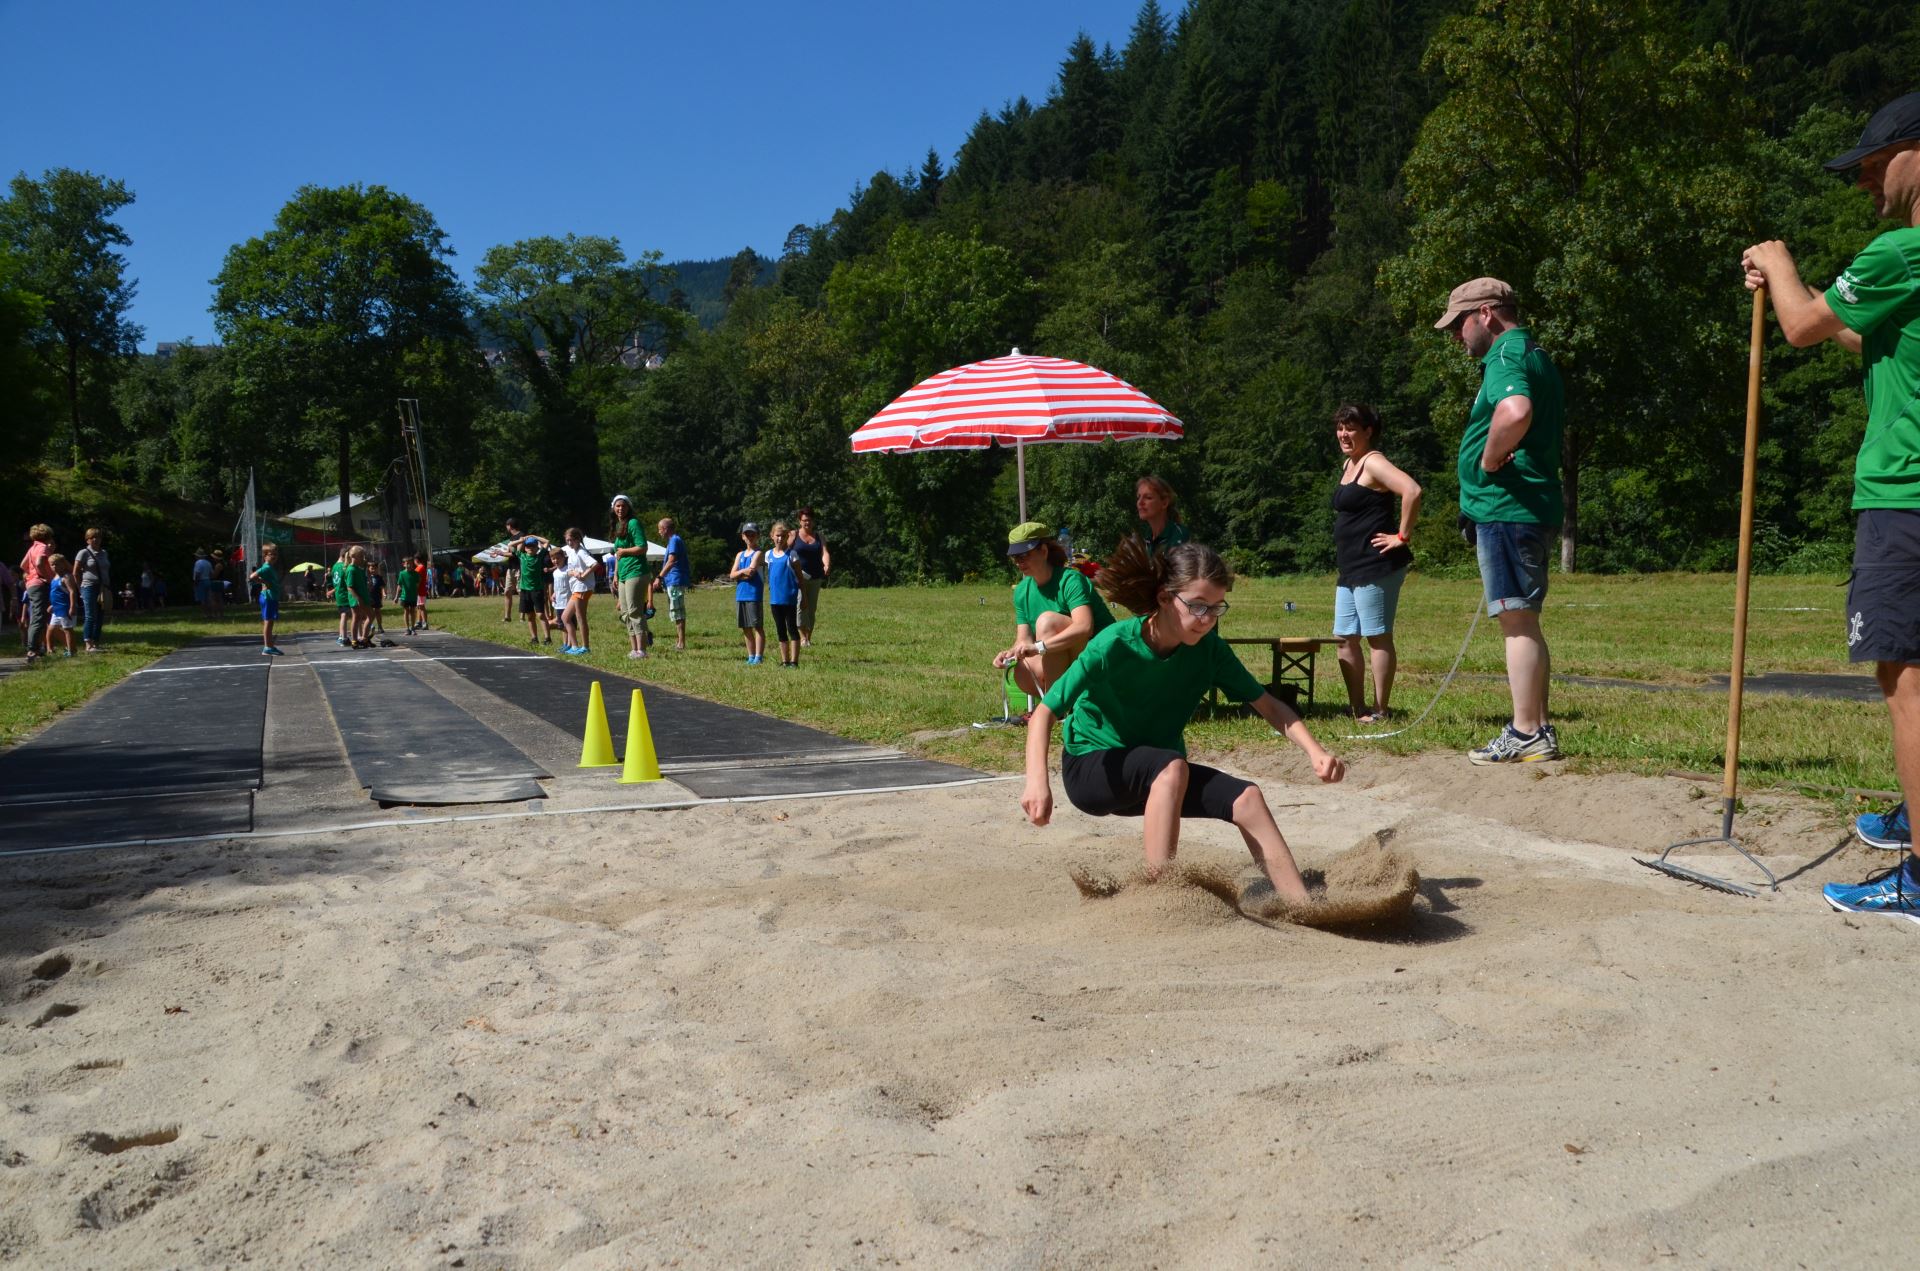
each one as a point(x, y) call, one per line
point(1370, 548)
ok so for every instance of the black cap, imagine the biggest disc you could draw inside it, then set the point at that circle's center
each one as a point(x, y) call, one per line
point(1897, 121)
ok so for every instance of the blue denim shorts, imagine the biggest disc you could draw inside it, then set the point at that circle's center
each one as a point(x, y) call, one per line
point(1368, 609)
point(1513, 564)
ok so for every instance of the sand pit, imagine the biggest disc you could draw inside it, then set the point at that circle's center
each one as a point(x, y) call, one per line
point(888, 1029)
point(1367, 886)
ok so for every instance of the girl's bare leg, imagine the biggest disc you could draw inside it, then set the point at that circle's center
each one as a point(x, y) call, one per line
point(1162, 818)
point(1255, 822)
point(1384, 661)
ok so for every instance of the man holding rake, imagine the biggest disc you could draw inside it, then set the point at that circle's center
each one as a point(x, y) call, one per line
point(1873, 308)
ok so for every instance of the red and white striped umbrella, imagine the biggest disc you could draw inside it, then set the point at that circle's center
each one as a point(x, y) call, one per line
point(1016, 400)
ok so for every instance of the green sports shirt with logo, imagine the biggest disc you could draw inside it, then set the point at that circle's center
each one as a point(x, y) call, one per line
point(1878, 296)
point(1527, 487)
point(626, 567)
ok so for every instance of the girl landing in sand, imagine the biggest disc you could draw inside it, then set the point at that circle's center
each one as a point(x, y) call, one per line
point(1126, 701)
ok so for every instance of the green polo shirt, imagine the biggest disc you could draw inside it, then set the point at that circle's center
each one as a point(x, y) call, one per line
point(1527, 487)
point(626, 567)
point(1172, 536)
point(1879, 297)
point(1066, 591)
point(1120, 693)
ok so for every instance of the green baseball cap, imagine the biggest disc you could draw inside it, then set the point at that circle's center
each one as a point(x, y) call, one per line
point(1026, 536)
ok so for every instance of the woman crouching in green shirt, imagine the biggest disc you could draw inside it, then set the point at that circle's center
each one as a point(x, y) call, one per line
point(1126, 701)
point(1055, 609)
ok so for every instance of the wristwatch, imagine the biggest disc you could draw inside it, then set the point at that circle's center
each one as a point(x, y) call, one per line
point(1039, 646)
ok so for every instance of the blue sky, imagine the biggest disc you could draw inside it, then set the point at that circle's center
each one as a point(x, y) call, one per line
point(693, 129)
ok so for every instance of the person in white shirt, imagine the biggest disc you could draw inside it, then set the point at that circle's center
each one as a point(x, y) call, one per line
point(581, 567)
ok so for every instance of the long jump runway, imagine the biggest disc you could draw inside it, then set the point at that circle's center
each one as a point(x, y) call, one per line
point(172, 750)
point(181, 749)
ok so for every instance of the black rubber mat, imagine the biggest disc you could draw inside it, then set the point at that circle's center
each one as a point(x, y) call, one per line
point(685, 729)
point(818, 778)
point(408, 744)
point(36, 826)
point(194, 720)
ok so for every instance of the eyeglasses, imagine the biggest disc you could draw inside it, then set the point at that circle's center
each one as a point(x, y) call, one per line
point(1199, 610)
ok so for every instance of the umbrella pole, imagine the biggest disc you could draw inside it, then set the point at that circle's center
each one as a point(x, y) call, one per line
point(1020, 466)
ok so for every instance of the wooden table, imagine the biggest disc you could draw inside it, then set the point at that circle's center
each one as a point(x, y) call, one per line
point(1293, 659)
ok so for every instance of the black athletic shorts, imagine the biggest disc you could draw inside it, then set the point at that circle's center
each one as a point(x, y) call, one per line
point(1115, 783)
point(1883, 599)
point(533, 601)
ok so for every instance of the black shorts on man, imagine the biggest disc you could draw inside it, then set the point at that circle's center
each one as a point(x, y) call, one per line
point(1883, 597)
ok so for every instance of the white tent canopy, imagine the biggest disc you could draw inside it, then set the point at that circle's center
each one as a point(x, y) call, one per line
point(497, 554)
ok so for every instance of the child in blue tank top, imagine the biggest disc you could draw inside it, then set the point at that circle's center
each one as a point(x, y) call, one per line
point(747, 589)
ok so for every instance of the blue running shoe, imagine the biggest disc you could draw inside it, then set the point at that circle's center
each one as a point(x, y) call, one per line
point(1888, 831)
point(1894, 892)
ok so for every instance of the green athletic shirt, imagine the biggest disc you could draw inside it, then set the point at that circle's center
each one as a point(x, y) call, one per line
point(357, 583)
point(625, 567)
point(342, 596)
point(1527, 487)
point(1120, 693)
point(1879, 297)
point(1172, 536)
point(533, 569)
point(1066, 591)
point(269, 579)
point(409, 584)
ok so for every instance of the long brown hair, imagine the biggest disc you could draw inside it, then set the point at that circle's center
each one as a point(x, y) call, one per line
point(1133, 579)
point(615, 525)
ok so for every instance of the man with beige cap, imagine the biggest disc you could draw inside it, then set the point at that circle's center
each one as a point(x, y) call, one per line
point(1510, 503)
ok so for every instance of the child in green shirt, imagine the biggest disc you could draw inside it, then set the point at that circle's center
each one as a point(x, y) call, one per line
point(268, 576)
point(1126, 701)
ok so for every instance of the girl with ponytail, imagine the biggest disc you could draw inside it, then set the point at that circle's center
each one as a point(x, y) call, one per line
point(1125, 702)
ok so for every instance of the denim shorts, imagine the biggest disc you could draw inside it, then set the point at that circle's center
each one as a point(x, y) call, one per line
point(1513, 564)
point(1368, 609)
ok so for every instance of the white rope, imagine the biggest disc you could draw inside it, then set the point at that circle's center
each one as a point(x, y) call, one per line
point(1478, 609)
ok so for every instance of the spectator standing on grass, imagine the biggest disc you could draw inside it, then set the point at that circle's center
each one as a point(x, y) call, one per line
point(1510, 502)
point(143, 592)
point(93, 578)
point(747, 593)
point(674, 578)
point(528, 552)
point(203, 581)
point(560, 596)
point(783, 594)
point(36, 580)
point(812, 562)
point(1154, 504)
point(630, 572)
point(1370, 547)
point(268, 576)
point(60, 602)
point(581, 567)
point(1873, 309)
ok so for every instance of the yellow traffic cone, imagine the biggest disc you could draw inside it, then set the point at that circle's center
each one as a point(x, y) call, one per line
point(596, 746)
point(642, 763)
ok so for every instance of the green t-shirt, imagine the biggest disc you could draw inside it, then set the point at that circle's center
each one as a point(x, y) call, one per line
point(533, 569)
point(1527, 487)
point(1172, 536)
point(269, 579)
point(1120, 693)
point(357, 583)
point(1066, 591)
point(342, 596)
point(1879, 297)
point(626, 567)
point(409, 584)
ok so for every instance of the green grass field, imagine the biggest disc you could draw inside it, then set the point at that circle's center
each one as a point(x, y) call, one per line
point(910, 667)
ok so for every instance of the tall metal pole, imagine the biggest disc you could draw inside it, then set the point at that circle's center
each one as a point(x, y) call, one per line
point(410, 426)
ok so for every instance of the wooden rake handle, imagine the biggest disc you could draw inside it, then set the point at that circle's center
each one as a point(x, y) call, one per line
point(1737, 682)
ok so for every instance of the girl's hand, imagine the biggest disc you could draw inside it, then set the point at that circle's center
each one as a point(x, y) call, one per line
point(1329, 767)
point(1037, 802)
point(1384, 543)
point(1003, 659)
